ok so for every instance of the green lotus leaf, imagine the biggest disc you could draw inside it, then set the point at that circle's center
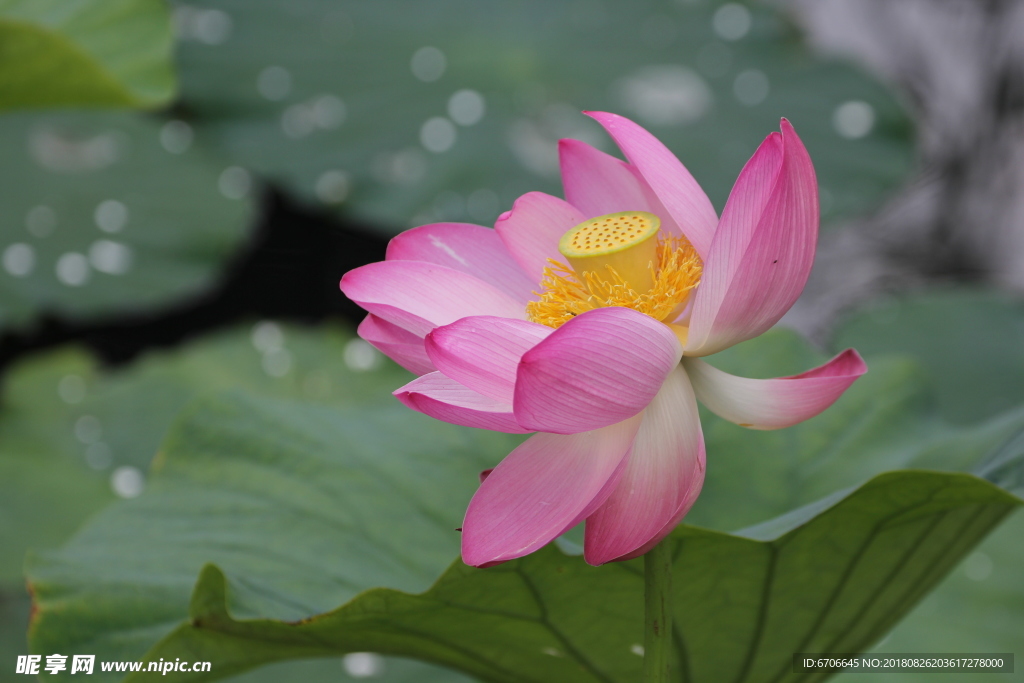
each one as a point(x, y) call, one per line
point(66, 53)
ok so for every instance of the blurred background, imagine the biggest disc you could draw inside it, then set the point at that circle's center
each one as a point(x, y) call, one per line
point(182, 185)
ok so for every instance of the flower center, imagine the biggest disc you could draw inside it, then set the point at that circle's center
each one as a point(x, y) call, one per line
point(625, 242)
point(618, 260)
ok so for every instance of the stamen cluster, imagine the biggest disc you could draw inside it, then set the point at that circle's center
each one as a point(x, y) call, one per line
point(565, 294)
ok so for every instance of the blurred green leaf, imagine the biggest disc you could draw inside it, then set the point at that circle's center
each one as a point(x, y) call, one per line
point(67, 427)
point(886, 420)
point(61, 53)
point(304, 507)
point(109, 213)
point(970, 341)
point(344, 101)
point(50, 480)
point(354, 667)
point(375, 497)
point(14, 611)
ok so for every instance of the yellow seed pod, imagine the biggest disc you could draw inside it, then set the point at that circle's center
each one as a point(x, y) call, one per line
point(625, 241)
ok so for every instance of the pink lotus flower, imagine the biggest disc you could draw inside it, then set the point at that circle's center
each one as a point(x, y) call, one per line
point(602, 357)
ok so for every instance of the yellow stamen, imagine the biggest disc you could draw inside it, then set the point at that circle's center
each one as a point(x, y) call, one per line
point(674, 271)
point(624, 241)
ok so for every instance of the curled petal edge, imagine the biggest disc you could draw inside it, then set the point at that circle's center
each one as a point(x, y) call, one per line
point(774, 403)
point(445, 399)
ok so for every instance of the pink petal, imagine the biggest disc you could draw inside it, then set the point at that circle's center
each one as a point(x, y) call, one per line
point(774, 403)
point(446, 400)
point(419, 296)
point(541, 489)
point(472, 249)
point(672, 183)
point(663, 477)
point(597, 184)
point(532, 228)
point(483, 352)
point(763, 250)
point(400, 345)
point(599, 368)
